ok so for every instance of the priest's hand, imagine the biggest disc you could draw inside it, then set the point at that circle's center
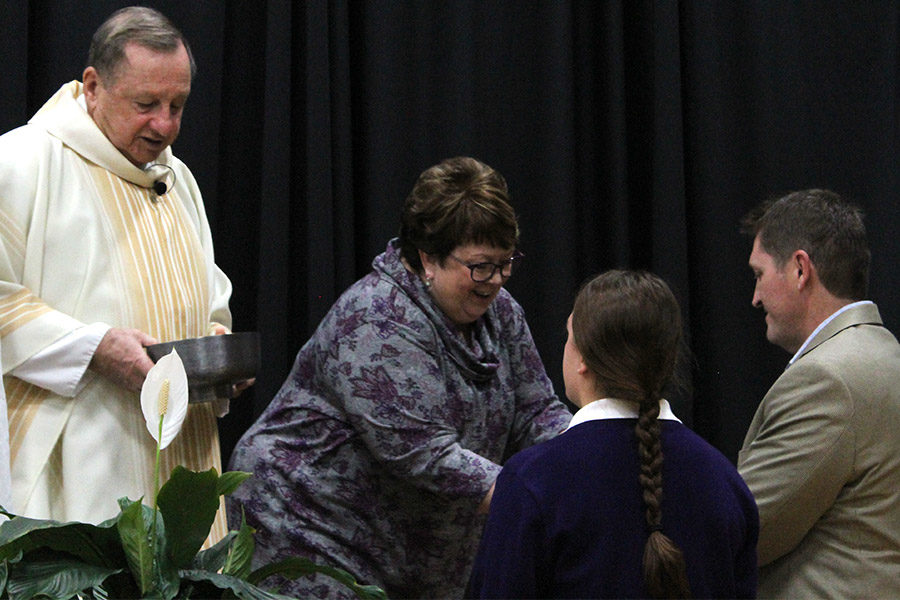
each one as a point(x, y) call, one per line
point(238, 388)
point(120, 357)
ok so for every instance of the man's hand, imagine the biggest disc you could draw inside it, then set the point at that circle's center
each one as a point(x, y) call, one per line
point(121, 358)
point(238, 388)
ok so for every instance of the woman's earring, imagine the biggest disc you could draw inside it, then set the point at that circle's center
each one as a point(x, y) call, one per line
point(428, 282)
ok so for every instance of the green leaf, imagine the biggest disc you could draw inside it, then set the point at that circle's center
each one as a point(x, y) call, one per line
point(164, 581)
point(240, 588)
point(229, 481)
point(99, 592)
point(241, 554)
point(126, 502)
point(55, 579)
point(213, 559)
point(188, 502)
point(4, 573)
point(169, 581)
point(94, 544)
point(297, 567)
point(136, 543)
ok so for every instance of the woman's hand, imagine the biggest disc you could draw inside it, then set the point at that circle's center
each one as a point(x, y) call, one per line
point(486, 502)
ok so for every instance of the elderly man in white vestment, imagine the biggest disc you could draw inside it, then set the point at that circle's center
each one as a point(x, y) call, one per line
point(96, 264)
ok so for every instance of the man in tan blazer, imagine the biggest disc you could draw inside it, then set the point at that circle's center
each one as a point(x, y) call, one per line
point(822, 455)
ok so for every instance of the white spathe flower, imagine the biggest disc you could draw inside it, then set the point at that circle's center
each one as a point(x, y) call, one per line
point(165, 393)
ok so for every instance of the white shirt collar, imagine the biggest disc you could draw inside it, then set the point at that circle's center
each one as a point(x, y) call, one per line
point(611, 408)
point(822, 326)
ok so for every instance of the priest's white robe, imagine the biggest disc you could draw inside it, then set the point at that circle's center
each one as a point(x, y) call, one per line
point(5, 484)
point(83, 239)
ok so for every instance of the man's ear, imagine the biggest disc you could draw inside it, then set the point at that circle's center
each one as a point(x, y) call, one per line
point(90, 80)
point(802, 267)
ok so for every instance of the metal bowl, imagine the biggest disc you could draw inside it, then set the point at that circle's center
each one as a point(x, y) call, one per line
point(215, 363)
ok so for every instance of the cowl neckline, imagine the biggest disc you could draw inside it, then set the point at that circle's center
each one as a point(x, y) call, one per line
point(64, 118)
point(478, 360)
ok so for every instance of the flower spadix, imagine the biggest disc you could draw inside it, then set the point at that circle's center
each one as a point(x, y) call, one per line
point(164, 398)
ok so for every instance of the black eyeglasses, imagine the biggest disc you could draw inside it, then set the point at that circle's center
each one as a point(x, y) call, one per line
point(484, 271)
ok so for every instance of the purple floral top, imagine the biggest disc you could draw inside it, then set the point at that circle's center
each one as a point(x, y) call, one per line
point(389, 431)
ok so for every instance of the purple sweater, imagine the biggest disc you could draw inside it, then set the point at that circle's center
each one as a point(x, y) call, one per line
point(387, 434)
point(567, 519)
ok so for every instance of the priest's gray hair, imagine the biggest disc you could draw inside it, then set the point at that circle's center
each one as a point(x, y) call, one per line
point(134, 24)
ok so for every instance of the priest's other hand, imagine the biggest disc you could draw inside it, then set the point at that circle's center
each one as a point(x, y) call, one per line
point(120, 357)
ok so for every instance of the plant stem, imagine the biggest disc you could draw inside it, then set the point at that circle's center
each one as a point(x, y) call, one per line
point(156, 493)
point(156, 474)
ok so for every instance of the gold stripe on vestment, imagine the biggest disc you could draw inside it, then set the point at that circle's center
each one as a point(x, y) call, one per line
point(164, 267)
point(23, 401)
point(162, 259)
point(18, 309)
point(13, 237)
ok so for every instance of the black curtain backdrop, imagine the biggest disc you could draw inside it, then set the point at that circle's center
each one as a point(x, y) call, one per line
point(632, 133)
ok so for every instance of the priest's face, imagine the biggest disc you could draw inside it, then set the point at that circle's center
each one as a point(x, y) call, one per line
point(139, 108)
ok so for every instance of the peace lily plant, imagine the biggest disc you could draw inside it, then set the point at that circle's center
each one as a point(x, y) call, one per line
point(149, 552)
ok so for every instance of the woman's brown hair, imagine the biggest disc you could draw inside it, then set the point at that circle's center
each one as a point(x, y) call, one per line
point(457, 201)
point(627, 327)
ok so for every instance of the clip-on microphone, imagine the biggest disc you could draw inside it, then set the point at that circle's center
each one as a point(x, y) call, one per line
point(159, 186)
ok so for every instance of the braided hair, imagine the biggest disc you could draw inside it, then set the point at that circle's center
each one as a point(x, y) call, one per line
point(627, 327)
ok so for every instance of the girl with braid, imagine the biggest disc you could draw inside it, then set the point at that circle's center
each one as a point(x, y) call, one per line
point(628, 502)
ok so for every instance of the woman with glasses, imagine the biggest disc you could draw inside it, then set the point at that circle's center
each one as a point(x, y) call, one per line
point(628, 502)
point(382, 447)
